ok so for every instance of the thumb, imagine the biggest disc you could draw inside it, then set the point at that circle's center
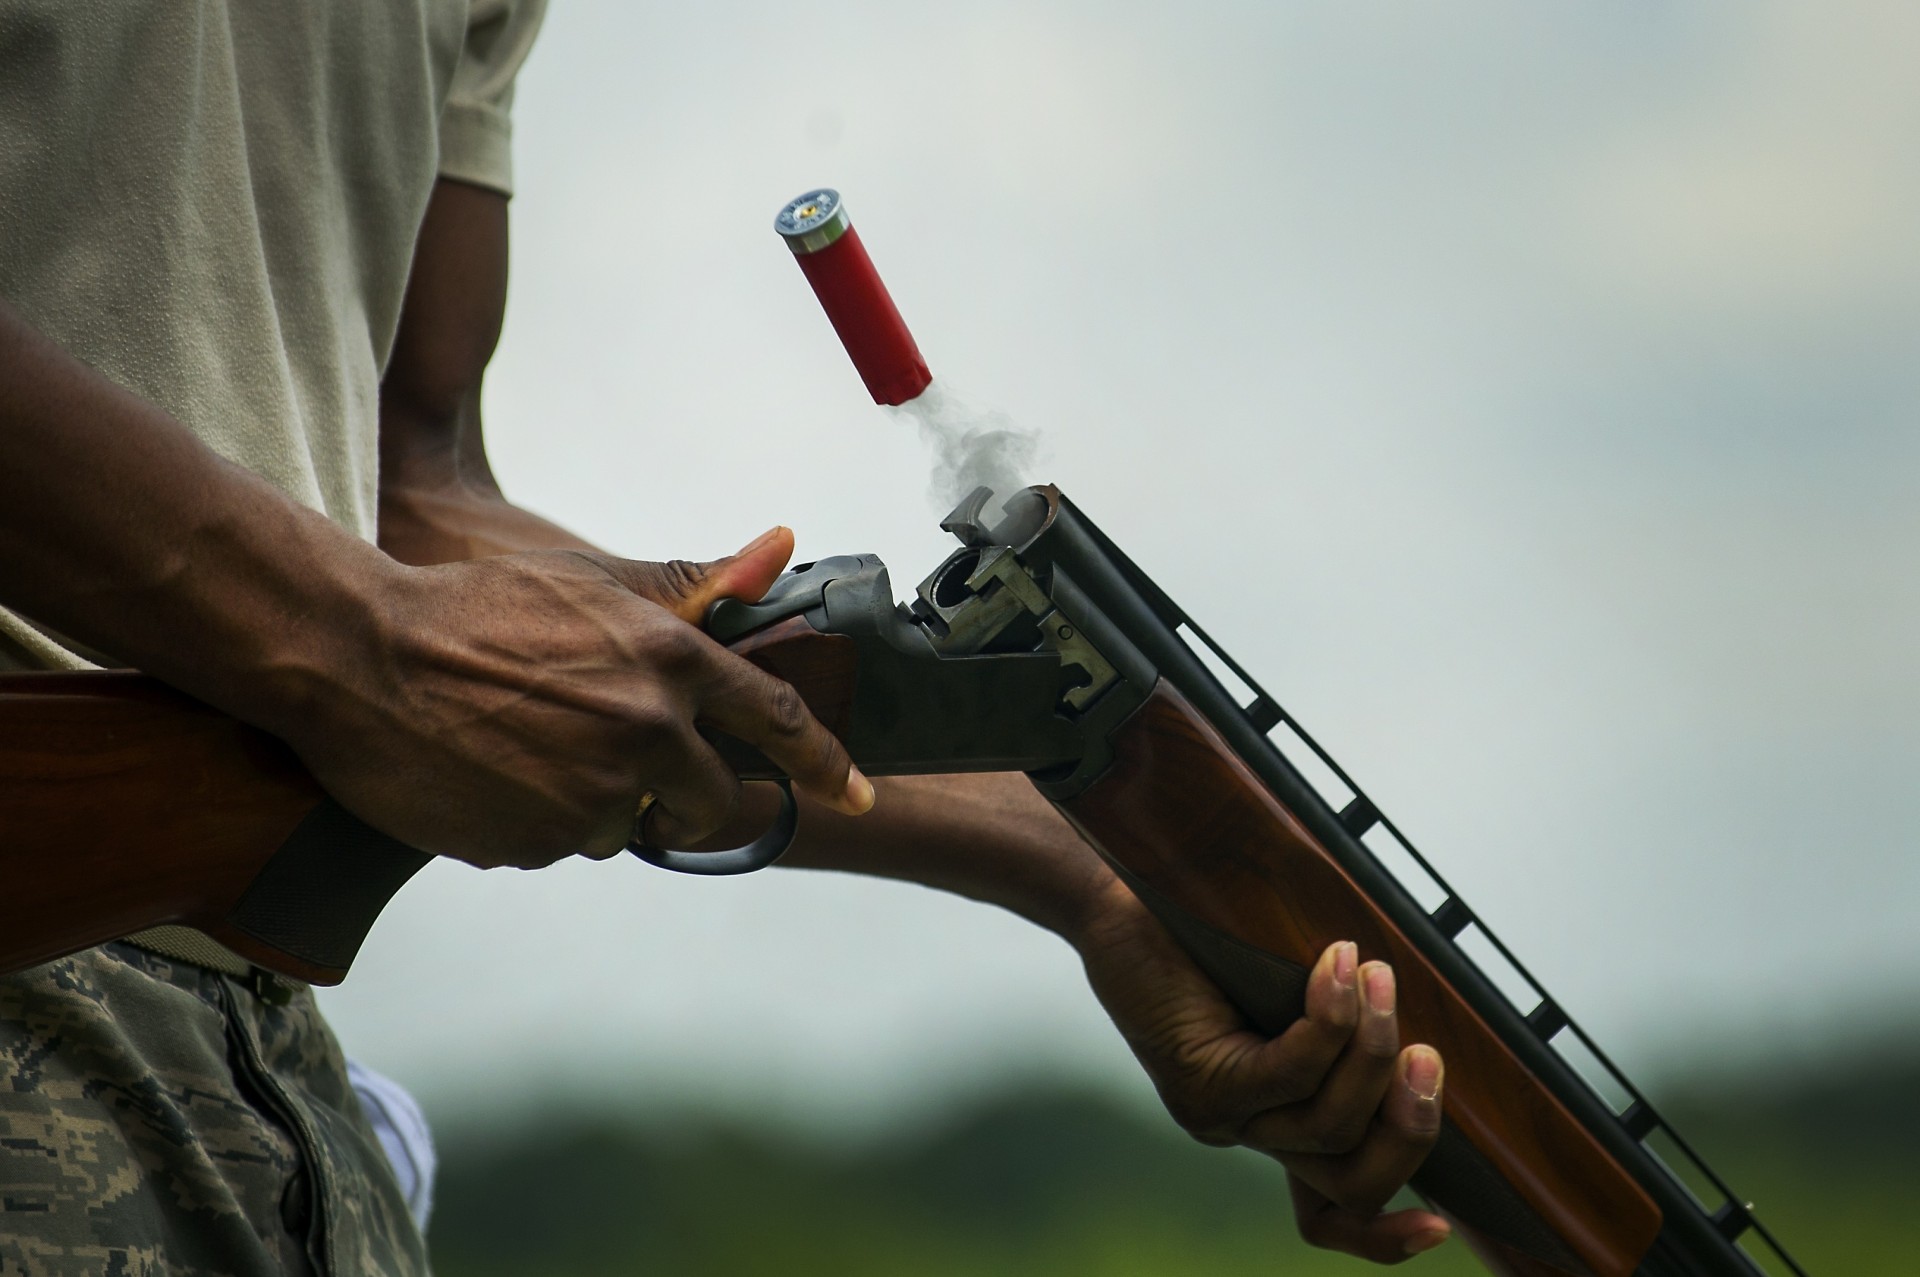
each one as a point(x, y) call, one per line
point(688, 590)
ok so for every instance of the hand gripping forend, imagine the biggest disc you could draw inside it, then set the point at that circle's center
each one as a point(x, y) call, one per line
point(1039, 645)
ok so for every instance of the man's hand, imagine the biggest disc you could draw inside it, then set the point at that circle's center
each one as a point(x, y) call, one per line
point(525, 701)
point(513, 710)
point(1335, 1099)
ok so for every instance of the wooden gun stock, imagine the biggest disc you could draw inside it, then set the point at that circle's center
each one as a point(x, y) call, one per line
point(125, 805)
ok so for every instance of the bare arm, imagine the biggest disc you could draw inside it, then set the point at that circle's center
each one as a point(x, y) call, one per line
point(439, 501)
point(506, 711)
point(1336, 1099)
point(120, 528)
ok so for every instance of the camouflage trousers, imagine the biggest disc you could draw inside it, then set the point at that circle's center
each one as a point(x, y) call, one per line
point(157, 1118)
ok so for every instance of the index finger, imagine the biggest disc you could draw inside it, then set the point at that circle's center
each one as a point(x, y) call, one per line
point(768, 713)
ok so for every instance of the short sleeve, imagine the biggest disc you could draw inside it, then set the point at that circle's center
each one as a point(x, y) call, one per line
point(476, 125)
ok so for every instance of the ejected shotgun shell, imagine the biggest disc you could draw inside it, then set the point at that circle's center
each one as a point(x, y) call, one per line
point(834, 261)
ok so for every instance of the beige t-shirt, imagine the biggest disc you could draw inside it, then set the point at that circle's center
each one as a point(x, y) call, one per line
point(215, 202)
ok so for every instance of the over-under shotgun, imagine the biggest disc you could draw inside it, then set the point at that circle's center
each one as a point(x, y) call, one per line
point(1037, 646)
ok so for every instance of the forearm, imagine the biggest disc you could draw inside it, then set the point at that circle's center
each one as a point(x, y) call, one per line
point(122, 530)
point(989, 837)
point(432, 510)
point(439, 502)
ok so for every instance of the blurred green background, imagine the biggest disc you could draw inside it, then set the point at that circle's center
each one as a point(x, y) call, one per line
point(1070, 1182)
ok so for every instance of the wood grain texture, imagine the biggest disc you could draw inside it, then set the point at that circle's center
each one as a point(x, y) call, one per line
point(823, 668)
point(1182, 812)
point(128, 805)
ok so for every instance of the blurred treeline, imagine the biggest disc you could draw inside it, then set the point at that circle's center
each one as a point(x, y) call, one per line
point(1070, 1184)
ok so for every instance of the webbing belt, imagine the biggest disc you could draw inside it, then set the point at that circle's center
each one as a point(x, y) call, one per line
point(184, 944)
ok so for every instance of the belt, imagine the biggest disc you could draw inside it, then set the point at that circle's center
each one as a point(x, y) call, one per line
point(184, 944)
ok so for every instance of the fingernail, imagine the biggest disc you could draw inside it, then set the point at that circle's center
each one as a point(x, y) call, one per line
point(859, 791)
point(1421, 1243)
point(1423, 1072)
point(1380, 989)
point(1346, 956)
point(760, 540)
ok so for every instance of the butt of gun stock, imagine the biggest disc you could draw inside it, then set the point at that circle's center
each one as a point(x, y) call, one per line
point(125, 805)
point(1255, 898)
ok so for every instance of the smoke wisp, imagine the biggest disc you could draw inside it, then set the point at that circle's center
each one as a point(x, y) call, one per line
point(971, 445)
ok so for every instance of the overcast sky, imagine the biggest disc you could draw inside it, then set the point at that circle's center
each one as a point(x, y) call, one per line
point(1525, 394)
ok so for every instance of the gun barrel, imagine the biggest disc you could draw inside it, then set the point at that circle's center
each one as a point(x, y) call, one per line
point(835, 262)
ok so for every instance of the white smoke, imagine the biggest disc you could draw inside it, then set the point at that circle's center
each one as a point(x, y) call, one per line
point(972, 445)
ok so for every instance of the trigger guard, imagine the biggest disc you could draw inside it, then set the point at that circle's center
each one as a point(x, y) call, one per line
point(758, 854)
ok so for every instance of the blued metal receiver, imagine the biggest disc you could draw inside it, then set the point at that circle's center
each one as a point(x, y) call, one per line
point(983, 671)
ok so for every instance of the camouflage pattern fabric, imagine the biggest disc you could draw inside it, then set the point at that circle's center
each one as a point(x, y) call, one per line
point(159, 1118)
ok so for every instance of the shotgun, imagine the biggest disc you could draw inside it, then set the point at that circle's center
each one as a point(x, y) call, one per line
point(1036, 646)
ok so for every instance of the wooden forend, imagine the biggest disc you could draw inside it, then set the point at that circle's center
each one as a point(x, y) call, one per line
point(822, 667)
point(1183, 813)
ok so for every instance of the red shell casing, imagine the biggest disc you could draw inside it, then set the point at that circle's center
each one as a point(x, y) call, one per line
point(864, 315)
